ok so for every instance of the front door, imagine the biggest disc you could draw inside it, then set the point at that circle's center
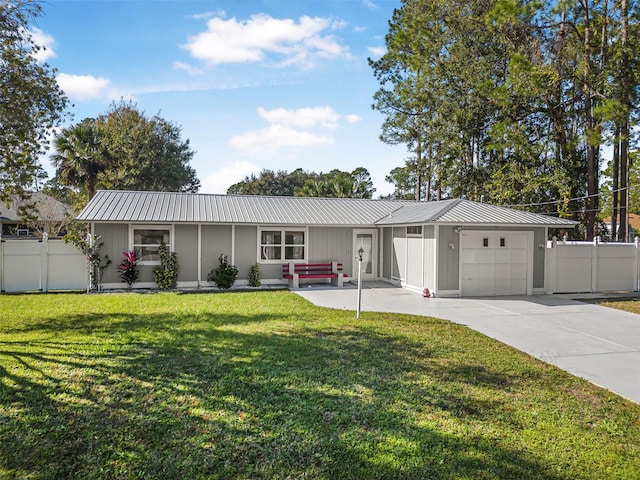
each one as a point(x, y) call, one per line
point(367, 240)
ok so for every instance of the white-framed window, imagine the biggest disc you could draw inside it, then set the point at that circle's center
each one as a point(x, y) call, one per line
point(282, 244)
point(415, 230)
point(145, 239)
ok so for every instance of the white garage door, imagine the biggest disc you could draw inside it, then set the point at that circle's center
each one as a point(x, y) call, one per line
point(496, 263)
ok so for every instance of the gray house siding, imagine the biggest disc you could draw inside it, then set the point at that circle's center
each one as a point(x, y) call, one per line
point(448, 259)
point(186, 246)
point(429, 259)
point(399, 253)
point(331, 244)
point(415, 261)
point(115, 238)
point(387, 252)
point(246, 253)
point(216, 240)
point(539, 238)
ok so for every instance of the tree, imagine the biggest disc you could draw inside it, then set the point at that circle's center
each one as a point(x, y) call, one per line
point(336, 183)
point(508, 100)
point(81, 155)
point(268, 182)
point(339, 184)
point(144, 153)
point(124, 150)
point(31, 103)
point(409, 181)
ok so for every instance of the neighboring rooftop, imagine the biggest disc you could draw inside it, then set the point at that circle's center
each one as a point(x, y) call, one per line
point(171, 207)
point(47, 208)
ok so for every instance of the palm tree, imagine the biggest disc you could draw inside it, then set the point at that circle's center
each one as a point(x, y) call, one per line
point(80, 156)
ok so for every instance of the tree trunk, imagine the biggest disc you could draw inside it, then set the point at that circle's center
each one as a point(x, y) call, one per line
point(625, 100)
point(615, 175)
point(592, 149)
point(418, 189)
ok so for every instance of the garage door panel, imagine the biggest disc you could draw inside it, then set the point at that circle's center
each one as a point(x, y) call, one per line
point(519, 256)
point(517, 287)
point(518, 241)
point(518, 272)
point(501, 287)
point(485, 256)
point(469, 271)
point(485, 272)
point(467, 255)
point(502, 271)
point(502, 255)
point(503, 267)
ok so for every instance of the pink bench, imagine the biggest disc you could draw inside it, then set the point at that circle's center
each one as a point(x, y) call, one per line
point(295, 271)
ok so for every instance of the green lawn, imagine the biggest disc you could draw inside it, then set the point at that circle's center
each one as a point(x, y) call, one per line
point(264, 385)
point(628, 304)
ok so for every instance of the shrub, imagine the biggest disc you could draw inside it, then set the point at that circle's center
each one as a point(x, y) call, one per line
point(166, 273)
point(224, 275)
point(254, 275)
point(129, 268)
point(90, 245)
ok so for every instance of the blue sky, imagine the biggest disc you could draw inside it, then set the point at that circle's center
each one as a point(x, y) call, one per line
point(253, 84)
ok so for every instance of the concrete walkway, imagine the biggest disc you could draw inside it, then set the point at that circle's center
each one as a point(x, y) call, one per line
point(599, 344)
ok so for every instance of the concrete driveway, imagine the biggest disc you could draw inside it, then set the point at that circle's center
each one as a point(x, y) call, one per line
point(599, 344)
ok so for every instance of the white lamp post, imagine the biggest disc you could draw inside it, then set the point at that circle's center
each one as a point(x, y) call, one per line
point(360, 252)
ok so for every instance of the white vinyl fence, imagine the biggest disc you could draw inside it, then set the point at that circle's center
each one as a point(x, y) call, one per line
point(579, 267)
point(41, 264)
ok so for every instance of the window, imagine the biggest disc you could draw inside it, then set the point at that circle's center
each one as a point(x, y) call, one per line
point(414, 230)
point(503, 242)
point(280, 245)
point(146, 240)
point(485, 242)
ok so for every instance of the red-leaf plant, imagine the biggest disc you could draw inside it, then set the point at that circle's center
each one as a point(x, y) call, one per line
point(129, 268)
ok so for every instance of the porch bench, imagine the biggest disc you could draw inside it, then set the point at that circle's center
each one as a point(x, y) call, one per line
point(295, 271)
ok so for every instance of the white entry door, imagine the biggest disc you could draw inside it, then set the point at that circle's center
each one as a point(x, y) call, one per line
point(368, 241)
point(496, 263)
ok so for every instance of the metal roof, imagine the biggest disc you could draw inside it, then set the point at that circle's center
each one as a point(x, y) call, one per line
point(467, 212)
point(171, 207)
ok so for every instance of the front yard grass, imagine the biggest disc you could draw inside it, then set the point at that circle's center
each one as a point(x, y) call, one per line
point(631, 305)
point(264, 385)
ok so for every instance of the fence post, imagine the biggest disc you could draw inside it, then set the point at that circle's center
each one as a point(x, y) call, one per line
point(594, 264)
point(551, 267)
point(1, 263)
point(90, 269)
point(636, 280)
point(44, 269)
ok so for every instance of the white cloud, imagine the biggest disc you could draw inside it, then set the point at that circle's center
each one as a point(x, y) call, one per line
point(369, 4)
point(326, 117)
point(45, 41)
point(277, 136)
point(85, 87)
point(220, 180)
point(377, 51)
point(261, 36)
point(353, 118)
point(207, 15)
point(190, 69)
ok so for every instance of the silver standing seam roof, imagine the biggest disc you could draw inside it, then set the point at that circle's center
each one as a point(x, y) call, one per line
point(172, 207)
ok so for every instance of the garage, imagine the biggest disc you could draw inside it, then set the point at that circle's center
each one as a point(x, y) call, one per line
point(496, 263)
